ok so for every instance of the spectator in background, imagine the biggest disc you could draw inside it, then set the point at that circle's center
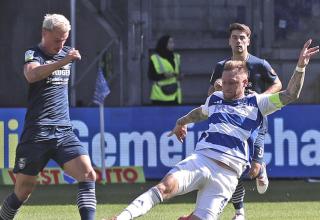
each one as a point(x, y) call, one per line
point(164, 71)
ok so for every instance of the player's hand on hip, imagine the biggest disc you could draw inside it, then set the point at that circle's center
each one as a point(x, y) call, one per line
point(306, 53)
point(180, 131)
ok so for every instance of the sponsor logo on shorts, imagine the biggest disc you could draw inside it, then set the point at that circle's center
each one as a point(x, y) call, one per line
point(22, 163)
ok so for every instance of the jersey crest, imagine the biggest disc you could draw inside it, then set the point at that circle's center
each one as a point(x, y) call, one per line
point(28, 56)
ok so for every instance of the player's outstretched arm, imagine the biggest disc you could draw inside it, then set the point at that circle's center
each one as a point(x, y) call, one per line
point(180, 129)
point(193, 116)
point(295, 84)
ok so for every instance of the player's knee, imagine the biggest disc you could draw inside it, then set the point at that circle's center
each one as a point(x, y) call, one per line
point(90, 175)
point(24, 186)
point(23, 193)
point(168, 187)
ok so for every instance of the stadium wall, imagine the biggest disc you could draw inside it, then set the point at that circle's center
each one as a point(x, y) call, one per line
point(137, 136)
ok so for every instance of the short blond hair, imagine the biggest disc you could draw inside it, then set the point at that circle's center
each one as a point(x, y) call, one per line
point(238, 65)
point(52, 21)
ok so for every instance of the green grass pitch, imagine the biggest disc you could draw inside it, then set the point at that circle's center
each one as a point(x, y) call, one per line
point(285, 200)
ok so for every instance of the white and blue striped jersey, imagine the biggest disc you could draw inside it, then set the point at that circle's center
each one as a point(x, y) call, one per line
point(233, 127)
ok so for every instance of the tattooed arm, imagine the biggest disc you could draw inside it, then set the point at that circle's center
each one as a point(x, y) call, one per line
point(195, 115)
point(295, 84)
point(180, 130)
point(293, 89)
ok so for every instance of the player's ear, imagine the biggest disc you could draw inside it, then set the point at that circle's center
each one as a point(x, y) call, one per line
point(249, 41)
point(44, 32)
point(245, 83)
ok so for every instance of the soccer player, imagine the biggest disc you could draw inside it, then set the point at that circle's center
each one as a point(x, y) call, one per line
point(262, 79)
point(222, 152)
point(47, 130)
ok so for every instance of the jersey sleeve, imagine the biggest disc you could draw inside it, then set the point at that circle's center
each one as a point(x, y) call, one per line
point(205, 106)
point(258, 150)
point(268, 72)
point(269, 103)
point(31, 55)
point(217, 73)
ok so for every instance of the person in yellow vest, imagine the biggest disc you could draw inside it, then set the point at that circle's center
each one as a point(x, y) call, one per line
point(164, 71)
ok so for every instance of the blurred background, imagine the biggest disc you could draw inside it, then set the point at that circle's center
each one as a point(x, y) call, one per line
point(122, 34)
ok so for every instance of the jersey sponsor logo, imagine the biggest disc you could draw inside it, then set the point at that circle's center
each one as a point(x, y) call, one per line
point(217, 102)
point(244, 110)
point(59, 77)
point(28, 55)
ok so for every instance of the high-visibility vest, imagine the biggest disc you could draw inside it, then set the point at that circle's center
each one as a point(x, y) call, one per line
point(162, 65)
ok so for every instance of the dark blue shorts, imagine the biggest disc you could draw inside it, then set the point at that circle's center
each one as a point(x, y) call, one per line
point(39, 144)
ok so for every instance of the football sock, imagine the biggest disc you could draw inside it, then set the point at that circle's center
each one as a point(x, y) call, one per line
point(10, 207)
point(238, 196)
point(86, 200)
point(240, 211)
point(142, 204)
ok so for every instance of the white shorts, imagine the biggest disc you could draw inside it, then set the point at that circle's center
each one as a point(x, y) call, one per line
point(215, 184)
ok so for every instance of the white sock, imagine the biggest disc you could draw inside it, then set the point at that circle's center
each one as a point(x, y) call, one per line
point(124, 215)
point(141, 205)
point(240, 211)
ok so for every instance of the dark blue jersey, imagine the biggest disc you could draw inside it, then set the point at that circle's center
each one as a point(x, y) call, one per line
point(261, 74)
point(48, 98)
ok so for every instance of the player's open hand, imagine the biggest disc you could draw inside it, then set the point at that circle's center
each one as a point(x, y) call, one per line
point(306, 53)
point(180, 131)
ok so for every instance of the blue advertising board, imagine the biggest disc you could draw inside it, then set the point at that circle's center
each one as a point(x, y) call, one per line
point(137, 136)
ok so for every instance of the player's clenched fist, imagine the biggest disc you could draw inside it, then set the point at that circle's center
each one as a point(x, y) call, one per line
point(73, 54)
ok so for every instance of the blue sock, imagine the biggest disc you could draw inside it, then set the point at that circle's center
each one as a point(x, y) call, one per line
point(86, 200)
point(238, 205)
point(10, 207)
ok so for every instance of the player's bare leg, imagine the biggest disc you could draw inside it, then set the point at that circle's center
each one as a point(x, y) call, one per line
point(23, 188)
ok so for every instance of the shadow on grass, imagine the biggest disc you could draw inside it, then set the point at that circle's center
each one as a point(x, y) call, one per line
point(279, 191)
